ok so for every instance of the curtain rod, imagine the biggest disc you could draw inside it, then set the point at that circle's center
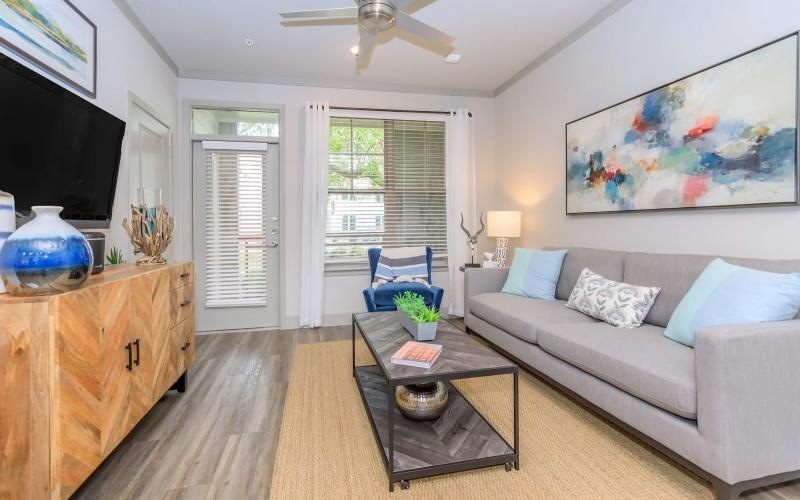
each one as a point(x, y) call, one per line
point(394, 110)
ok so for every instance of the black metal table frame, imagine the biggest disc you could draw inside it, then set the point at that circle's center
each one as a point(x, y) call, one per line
point(436, 470)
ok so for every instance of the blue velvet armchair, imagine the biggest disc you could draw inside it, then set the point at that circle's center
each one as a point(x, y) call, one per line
point(382, 298)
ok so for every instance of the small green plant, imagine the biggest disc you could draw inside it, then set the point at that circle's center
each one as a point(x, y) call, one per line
point(414, 306)
point(426, 315)
point(115, 256)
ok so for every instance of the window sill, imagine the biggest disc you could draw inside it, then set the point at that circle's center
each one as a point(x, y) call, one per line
point(360, 268)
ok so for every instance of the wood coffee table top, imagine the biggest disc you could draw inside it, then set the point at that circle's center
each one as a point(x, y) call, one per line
point(462, 356)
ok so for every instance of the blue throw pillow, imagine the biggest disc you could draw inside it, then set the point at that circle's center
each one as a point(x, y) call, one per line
point(725, 294)
point(534, 273)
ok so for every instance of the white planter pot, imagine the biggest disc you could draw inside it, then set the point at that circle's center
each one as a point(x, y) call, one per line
point(420, 331)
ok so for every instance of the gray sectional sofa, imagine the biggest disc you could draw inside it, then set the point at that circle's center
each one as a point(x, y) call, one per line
point(729, 408)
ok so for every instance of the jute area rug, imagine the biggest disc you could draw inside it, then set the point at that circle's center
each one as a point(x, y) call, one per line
point(327, 449)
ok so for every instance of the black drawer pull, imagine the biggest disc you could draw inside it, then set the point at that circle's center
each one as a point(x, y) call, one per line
point(186, 303)
point(129, 348)
point(186, 346)
point(138, 352)
point(185, 275)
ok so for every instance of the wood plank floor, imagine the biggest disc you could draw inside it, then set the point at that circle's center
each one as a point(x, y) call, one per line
point(219, 439)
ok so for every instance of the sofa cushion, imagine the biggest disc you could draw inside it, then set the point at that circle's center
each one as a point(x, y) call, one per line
point(520, 316)
point(641, 362)
point(675, 274)
point(386, 292)
point(609, 263)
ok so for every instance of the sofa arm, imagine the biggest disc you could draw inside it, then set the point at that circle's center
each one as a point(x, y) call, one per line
point(748, 396)
point(479, 280)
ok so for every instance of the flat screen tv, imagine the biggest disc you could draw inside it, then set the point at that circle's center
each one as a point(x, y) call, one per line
point(57, 148)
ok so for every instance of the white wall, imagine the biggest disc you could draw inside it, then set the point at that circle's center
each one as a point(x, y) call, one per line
point(646, 44)
point(125, 63)
point(342, 293)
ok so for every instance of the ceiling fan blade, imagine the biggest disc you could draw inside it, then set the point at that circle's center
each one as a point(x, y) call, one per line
point(410, 25)
point(343, 13)
point(366, 46)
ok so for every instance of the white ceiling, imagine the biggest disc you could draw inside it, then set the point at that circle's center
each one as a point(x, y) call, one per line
point(496, 38)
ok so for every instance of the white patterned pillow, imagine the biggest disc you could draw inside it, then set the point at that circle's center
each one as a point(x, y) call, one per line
point(619, 304)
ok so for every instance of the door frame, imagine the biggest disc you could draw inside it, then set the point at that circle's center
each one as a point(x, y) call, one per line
point(134, 100)
point(186, 175)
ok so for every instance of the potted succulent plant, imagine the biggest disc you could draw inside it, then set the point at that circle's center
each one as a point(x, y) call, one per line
point(420, 320)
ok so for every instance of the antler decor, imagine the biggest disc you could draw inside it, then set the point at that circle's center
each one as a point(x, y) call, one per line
point(472, 242)
point(150, 232)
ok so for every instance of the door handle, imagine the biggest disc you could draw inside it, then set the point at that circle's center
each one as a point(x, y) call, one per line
point(273, 244)
point(186, 346)
point(129, 348)
point(184, 275)
point(138, 352)
point(186, 303)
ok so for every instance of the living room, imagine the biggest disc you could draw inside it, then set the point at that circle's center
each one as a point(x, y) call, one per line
point(577, 216)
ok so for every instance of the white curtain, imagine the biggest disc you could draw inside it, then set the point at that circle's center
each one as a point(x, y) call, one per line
point(314, 203)
point(460, 158)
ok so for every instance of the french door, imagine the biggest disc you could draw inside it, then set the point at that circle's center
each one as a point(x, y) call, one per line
point(236, 192)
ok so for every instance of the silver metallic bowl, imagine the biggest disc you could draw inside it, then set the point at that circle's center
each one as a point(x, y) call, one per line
point(422, 401)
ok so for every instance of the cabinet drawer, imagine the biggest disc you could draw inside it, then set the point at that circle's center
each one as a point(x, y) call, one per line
point(181, 275)
point(181, 304)
point(184, 342)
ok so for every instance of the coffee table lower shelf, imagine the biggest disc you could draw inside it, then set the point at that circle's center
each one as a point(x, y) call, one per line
point(461, 439)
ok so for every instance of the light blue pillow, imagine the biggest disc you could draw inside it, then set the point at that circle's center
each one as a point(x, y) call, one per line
point(534, 273)
point(725, 294)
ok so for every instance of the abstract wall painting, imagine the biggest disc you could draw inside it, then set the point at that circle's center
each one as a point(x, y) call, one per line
point(55, 36)
point(725, 136)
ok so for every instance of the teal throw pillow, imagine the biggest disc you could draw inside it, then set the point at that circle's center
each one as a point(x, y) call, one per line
point(534, 273)
point(725, 294)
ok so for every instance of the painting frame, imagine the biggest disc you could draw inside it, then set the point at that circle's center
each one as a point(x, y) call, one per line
point(796, 158)
point(54, 72)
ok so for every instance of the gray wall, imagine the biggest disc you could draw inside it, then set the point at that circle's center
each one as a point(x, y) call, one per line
point(646, 44)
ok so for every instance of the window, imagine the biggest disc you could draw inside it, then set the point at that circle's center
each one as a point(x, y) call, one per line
point(386, 187)
point(236, 241)
point(235, 122)
point(348, 223)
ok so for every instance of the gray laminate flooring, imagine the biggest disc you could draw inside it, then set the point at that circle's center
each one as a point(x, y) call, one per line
point(219, 439)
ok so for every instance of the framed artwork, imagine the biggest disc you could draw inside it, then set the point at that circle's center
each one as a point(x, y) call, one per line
point(725, 136)
point(54, 36)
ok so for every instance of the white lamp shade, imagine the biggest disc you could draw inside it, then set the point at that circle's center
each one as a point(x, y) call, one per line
point(503, 224)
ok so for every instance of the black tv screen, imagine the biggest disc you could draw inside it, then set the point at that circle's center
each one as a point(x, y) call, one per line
point(57, 148)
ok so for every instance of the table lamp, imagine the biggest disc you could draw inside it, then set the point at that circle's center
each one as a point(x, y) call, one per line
point(503, 225)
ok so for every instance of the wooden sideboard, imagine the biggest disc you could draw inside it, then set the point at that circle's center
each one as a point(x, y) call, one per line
point(80, 369)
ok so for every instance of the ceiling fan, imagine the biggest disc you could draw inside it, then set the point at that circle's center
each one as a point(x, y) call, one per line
point(374, 17)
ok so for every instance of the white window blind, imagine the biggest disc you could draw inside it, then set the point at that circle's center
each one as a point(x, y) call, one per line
point(236, 240)
point(386, 186)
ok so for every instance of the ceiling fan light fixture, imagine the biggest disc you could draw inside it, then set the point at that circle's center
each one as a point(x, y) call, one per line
point(375, 16)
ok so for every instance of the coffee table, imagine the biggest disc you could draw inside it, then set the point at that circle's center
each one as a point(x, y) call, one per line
point(461, 439)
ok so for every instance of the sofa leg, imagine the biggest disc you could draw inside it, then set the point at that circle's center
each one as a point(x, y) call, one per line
point(727, 491)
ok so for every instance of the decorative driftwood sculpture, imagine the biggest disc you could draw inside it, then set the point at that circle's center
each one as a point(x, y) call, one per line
point(150, 232)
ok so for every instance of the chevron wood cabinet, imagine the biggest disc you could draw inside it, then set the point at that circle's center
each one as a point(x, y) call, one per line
point(79, 370)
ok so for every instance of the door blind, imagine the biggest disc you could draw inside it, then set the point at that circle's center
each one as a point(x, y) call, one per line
point(236, 240)
point(386, 186)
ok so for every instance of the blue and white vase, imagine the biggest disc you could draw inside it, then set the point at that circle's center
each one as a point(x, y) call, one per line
point(8, 222)
point(45, 256)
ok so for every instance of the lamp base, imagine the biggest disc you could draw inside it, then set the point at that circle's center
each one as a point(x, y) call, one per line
point(501, 252)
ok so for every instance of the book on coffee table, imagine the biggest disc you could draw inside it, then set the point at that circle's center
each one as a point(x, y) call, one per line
point(417, 354)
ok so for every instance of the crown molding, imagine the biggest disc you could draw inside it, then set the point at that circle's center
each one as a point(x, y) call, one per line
point(594, 21)
point(137, 23)
point(198, 74)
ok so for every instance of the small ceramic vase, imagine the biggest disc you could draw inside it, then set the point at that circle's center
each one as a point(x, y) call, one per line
point(45, 256)
point(8, 222)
